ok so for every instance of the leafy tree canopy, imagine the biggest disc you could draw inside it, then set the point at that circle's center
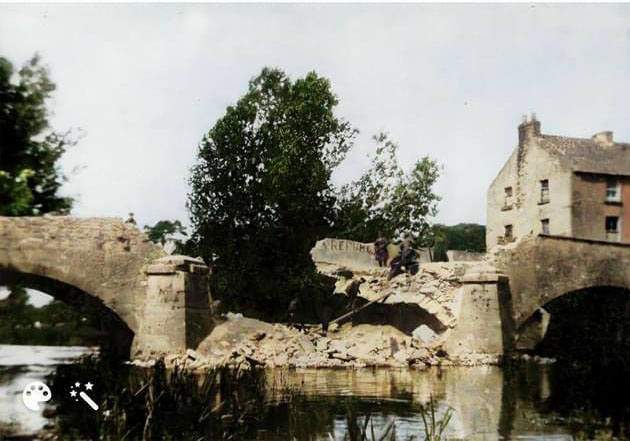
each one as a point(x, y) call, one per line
point(386, 200)
point(30, 177)
point(261, 193)
point(30, 180)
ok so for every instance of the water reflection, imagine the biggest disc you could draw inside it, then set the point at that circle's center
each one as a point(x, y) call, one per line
point(488, 402)
point(473, 392)
point(15, 375)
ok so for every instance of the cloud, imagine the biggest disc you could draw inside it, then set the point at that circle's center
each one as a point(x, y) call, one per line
point(146, 81)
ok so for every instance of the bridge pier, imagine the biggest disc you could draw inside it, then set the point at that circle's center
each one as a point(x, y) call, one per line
point(176, 312)
point(485, 325)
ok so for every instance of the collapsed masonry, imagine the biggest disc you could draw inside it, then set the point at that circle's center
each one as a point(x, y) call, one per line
point(436, 309)
point(447, 313)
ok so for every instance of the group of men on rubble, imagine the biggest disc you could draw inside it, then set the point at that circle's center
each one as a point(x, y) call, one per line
point(405, 261)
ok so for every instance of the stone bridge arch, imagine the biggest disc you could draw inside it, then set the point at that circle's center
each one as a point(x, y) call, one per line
point(543, 268)
point(111, 265)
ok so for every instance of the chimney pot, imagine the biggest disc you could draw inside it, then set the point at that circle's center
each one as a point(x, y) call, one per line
point(603, 138)
point(528, 130)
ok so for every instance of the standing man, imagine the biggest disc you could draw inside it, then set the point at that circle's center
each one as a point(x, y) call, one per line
point(380, 250)
point(408, 256)
point(352, 291)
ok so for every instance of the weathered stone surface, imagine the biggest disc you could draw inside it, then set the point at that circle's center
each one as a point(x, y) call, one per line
point(533, 330)
point(465, 303)
point(542, 268)
point(236, 341)
point(113, 267)
point(426, 335)
point(176, 313)
point(104, 257)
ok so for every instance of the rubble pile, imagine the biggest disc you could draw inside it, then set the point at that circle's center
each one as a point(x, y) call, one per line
point(244, 341)
point(241, 341)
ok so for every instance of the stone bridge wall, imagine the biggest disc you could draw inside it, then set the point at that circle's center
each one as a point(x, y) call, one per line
point(542, 268)
point(104, 257)
point(105, 262)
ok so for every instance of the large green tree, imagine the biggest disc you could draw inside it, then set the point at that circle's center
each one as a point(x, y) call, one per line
point(30, 177)
point(387, 200)
point(261, 193)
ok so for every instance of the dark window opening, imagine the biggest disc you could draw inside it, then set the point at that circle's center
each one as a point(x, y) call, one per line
point(613, 193)
point(544, 223)
point(508, 234)
point(507, 201)
point(612, 228)
point(544, 191)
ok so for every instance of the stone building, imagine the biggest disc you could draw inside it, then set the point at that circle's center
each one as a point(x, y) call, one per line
point(556, 185)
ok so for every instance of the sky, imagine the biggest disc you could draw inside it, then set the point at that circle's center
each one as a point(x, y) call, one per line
point(144, 82)
point(35, 298)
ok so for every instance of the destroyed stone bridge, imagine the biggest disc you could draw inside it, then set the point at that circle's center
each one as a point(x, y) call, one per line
point(152, 302)
point(494, 305)
point(156, 303)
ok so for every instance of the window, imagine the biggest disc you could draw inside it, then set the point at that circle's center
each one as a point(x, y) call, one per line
point(544, 191)
point(544, 223)
point(612, 228)
point(613, 193)
point(507, 201)
point(508, 235)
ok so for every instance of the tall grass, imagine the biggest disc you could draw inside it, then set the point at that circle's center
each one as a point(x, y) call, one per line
point(434, 426)
point(156, 403)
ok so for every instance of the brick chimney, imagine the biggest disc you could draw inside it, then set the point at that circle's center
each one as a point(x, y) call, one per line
point(603, 138)
point(528, 129)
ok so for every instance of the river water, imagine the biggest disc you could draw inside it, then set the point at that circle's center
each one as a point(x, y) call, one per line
point(527, 401)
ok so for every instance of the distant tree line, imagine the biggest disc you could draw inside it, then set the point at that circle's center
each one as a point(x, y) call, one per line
point(55, 323)
point(463, 237)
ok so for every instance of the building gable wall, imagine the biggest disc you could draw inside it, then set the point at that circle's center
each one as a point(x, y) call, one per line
point(526, 167)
